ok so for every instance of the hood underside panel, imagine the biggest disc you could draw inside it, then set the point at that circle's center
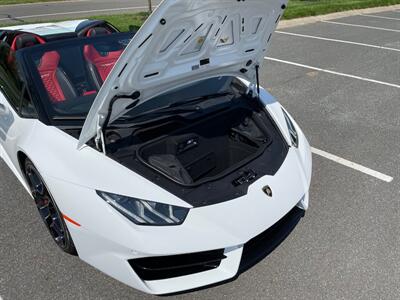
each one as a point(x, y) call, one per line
point(185, 41)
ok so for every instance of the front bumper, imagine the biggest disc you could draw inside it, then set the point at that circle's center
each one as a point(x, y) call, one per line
point(238, 227)
point(167, 275)
point(164, 274)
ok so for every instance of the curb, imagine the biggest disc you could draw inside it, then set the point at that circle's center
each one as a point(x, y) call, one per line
point(315, 19)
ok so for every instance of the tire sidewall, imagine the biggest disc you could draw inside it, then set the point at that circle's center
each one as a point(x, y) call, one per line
point(69, 244)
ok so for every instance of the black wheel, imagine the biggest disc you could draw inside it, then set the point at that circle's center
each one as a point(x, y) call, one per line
point(48, 209)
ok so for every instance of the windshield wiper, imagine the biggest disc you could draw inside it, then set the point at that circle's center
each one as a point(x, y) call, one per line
point(69, 118)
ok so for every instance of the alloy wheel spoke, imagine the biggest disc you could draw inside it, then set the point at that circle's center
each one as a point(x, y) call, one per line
point(46, 207)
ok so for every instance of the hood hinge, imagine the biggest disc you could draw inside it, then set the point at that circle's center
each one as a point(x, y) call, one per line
point(258, 79)
point(254, 87)
point(99, 140)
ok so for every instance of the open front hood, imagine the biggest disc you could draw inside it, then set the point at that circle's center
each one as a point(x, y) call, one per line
point(185, 41)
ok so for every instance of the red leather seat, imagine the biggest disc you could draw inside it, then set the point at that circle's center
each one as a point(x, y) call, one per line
point(54, 79)
point(24, 40)
point(99, 63)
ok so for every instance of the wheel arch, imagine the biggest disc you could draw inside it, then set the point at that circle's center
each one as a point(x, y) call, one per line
point(21, 157)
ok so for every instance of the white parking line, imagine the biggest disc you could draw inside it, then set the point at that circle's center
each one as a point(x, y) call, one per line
point(381, 17)
point(352, 165)
point(74, 12)
point(338, 41)
point(333, 72)
point(361, 26)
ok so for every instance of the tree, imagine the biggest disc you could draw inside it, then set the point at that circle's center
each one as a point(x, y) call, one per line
point(150, 6)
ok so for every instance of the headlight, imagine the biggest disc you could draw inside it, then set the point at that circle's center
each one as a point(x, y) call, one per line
point(142, 212)
point(292, 130)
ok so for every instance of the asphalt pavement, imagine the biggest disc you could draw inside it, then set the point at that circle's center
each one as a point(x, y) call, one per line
point(25, 13)
point(341, 81)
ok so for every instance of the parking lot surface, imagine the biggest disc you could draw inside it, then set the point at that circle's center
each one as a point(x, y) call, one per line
point(25, 13)
point(341, 81)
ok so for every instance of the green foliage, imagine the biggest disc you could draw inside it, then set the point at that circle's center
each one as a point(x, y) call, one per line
point(296, 9)
point(125, 22)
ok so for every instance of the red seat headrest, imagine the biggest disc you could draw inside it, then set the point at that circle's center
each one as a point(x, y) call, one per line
point(97, 31)
point(24, 40)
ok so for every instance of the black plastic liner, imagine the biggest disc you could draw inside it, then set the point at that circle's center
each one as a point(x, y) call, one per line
point(262, 245)
point(207, 149)
point(201, 158)
point(165, 267)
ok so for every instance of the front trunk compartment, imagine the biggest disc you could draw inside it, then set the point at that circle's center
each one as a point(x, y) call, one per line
point(206, 157)
point(209, 148)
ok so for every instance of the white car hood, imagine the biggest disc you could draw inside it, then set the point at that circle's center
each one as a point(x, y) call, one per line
point(185, 41)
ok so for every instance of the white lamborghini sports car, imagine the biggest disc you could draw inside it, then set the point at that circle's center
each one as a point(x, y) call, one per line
point(155, 156)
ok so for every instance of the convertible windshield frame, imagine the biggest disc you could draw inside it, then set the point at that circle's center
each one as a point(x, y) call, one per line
point(50, 115)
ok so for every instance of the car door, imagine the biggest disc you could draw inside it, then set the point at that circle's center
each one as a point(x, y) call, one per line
point(14, 105)
point(6, 119)
point(10, 93)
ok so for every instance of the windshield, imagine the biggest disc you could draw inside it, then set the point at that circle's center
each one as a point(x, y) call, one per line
point(213, 86)
point(68, 74)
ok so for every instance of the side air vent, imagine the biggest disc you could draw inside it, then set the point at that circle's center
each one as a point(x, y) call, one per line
point(198, 27)
point(122, 71)
point(187, 38)
point(145, 41)
point(151, 75)
point(205, 62)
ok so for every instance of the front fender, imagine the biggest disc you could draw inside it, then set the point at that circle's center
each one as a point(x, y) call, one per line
point(56, 156)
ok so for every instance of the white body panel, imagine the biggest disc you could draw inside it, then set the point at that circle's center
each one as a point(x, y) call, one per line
point(44, 29)
point(106, 239)
point(14, 132)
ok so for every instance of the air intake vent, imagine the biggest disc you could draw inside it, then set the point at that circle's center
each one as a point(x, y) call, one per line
point(164, 267)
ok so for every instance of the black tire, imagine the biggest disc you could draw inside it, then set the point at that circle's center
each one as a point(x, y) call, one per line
point(48, 209)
